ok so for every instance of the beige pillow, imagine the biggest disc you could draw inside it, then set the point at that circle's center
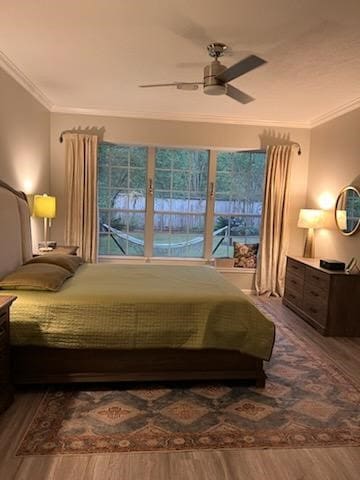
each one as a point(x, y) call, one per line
point(69, 262)
point(38, 276)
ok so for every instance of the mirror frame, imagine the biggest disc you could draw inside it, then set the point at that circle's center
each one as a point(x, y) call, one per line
point(357, 226)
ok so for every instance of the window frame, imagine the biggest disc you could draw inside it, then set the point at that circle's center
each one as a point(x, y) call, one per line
point(149, 208)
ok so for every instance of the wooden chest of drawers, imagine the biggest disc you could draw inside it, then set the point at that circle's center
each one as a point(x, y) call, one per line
point(329, 301)
point(6, 394)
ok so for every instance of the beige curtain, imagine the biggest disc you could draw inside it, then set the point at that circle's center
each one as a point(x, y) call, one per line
point(270, 272)
point(81, 192)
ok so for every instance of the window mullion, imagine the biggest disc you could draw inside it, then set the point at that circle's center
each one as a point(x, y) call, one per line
point(210, 203)
point(149, 214)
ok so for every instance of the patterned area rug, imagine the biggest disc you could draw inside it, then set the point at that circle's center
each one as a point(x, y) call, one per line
point(306, 403)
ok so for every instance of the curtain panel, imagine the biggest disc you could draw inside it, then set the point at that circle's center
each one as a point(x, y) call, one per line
point(81, 221)
point(270, 271)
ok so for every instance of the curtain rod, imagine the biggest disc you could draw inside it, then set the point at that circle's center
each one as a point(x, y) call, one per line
point(296, 144)
point(61, 139)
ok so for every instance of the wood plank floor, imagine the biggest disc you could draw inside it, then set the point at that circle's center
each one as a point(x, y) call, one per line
point(287, 464)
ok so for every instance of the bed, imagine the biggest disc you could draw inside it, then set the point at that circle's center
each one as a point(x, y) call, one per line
point(128, 322)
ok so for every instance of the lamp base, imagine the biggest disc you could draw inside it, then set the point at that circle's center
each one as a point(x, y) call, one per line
point(309, 244)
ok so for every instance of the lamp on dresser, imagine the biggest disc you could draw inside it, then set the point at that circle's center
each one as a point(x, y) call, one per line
point(310, 219)
point(45, 207)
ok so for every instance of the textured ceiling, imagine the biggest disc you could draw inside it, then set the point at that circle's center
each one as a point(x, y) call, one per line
point(93, 54)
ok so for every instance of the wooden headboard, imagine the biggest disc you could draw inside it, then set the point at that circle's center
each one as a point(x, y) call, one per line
point(15, 236)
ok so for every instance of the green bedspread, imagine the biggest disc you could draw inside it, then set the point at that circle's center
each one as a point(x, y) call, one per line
point(142, 306)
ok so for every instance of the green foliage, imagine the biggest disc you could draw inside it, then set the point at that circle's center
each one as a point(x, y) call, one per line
point(181, 170)
point(239, 175)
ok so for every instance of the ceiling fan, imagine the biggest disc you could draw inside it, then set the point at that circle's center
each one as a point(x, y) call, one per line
point(217, 76)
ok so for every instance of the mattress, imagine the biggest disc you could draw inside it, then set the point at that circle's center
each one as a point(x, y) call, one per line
point(142, 306)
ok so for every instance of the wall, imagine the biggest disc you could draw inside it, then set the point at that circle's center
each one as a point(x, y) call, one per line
point(335, 163)
point(191, 134)
point(24, 142)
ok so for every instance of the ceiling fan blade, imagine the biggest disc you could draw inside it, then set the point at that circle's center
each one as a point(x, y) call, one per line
point(244, 66)
point(238, 95)
point(178, 85)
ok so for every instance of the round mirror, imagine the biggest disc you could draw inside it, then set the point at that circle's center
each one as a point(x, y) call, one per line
point(347, 210)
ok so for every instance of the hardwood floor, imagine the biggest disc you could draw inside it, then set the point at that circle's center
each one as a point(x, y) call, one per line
point(287, 464)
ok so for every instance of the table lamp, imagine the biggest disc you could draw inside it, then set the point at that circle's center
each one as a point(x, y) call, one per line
point(310, 219)
point(45, 207)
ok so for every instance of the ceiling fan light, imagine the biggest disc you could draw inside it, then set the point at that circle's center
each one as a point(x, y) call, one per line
point(187, 86)
point(214, 89)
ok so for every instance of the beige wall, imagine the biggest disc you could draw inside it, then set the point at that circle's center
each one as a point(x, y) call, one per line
point(28, 134)
point(161, 132)
point(335, 163)
point(24, 142)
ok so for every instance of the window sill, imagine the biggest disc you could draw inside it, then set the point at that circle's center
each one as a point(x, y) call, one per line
point(154, 260)
point(236, 270)
point(173, 261)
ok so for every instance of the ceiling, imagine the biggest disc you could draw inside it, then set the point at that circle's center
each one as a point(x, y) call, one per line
point(91, 55)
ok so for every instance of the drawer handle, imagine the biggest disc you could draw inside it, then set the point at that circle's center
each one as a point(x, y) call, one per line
point(314, 293)
point(315, 277)
point(313, 310)
point(295, 268)
point(293, 281)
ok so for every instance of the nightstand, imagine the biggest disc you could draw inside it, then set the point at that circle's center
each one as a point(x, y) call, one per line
point(6, 390)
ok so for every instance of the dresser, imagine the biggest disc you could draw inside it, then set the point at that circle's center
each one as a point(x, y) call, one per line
point(6, 393)
point(329, 301)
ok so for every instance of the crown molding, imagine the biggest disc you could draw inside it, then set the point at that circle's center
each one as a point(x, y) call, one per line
point(9, 67)
point(183, 117)
point(336, 112)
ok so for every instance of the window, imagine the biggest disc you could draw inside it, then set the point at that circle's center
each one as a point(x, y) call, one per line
point(180, 191)
point(171, 202)
point(238, 201)
point(122, 174)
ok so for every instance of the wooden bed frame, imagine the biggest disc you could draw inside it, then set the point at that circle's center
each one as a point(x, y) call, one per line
point(57, 365)
point(32, 364)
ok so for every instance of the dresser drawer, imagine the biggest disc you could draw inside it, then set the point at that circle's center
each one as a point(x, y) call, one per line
point(317, 278)
point(294, 296)
point(316, 293)
point(317, 311)
point(3, 317)
point(3, 339)
point(295, 268)
point(6, 391)
point(294, 282)
point(4, 369)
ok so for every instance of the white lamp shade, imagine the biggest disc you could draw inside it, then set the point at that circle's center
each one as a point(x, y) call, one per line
point(310, 218)
point(341, 219)
point(44, 206)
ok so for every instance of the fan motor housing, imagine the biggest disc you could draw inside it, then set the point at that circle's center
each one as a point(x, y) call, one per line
point(212, 86)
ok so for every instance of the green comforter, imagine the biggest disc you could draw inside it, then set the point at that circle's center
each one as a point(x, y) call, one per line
point(142, 306)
